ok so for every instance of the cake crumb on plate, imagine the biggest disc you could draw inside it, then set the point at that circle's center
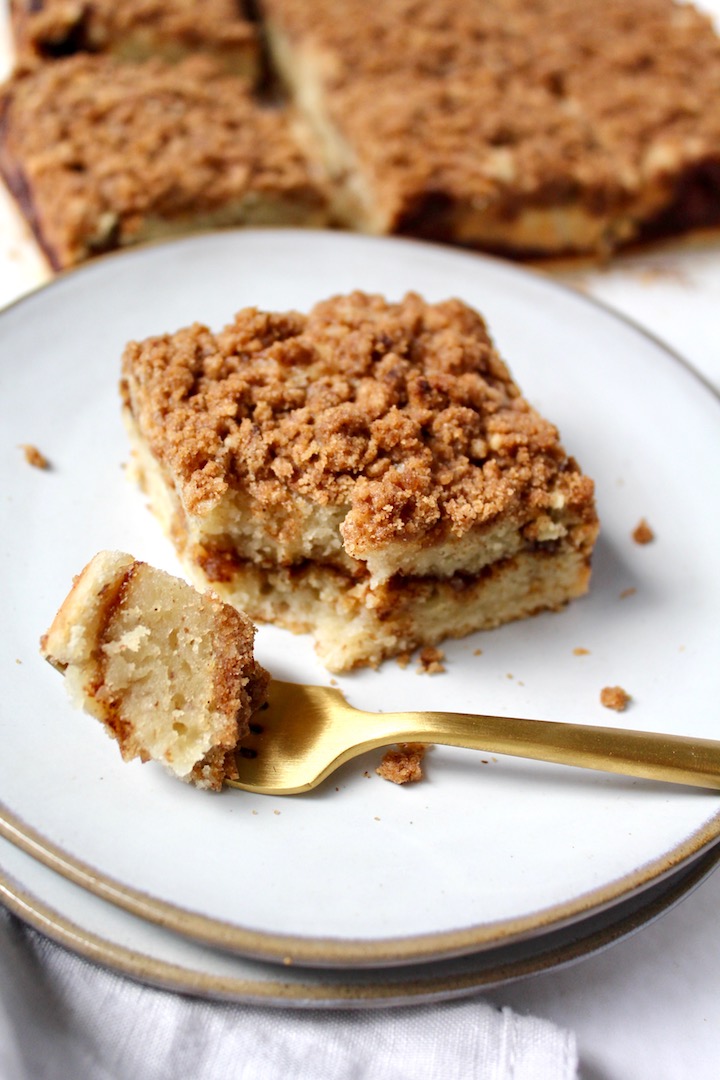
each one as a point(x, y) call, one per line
point(642, 533)
point(404, 764)
point(614, 697)
point(430, 661)
point(34, 457)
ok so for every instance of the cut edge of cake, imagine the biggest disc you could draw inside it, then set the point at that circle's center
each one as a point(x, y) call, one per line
point(170, 673)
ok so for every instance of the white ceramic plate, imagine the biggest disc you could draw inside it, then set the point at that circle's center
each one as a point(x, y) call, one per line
point(363, 872)
point(131, 946)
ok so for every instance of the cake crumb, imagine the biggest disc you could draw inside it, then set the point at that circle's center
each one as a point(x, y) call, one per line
point(34, 457)
point(403, 659)
point(642, 533)
point(477, 652)
point(404, 764)
point(614, 697)
point(580, 651)
point(430, 661)
point(628, 592)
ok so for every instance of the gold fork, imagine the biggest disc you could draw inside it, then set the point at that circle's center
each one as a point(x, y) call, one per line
point(306, 732)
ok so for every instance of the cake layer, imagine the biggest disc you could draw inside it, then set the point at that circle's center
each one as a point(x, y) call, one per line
point(354, 621)
point(169, 672)
point(373, 460)
point(101, 154)
point(529, 128)
point(355, 625)
point(136, 30)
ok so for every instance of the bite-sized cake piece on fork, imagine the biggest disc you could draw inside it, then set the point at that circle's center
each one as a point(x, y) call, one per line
point(532, 128)
point(368, 472)
point(136, 29)
point(100, 154)
point(169, 672)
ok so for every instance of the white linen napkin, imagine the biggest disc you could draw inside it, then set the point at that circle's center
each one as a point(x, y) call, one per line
point(62, 1018)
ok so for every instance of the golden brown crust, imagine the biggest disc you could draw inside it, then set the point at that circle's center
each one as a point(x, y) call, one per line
point(402, 413)
point(96, 150)
point(504, 107)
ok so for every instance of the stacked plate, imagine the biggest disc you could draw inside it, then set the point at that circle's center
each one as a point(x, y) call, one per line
point(490, 868)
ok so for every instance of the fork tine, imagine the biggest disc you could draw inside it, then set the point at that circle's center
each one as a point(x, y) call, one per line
point(279, 757)
point(309, 731)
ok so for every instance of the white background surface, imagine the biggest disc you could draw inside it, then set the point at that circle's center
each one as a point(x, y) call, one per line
point(649, 1007)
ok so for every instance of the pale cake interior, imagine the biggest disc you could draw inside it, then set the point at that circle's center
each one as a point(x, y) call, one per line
point(170, 672)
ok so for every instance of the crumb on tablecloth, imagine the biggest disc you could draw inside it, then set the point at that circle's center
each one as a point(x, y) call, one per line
point(34, 457)
point(628, 592)
point(642, 533)
point(580, 651)
point(404, 764)
point(614, 697)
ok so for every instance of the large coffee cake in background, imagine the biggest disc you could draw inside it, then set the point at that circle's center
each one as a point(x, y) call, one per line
point(522, 126)
point(532, 128)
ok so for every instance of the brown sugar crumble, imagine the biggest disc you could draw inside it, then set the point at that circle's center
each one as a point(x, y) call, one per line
point(642, 533)
point(135, 29)
point(34, 457)
point(404, 764)
point(101, 154)
point(430, 661)
point(614, 697)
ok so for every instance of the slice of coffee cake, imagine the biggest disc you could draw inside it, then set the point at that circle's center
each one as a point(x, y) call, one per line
point(528, 128)
point(368, 472)
point(168, 671)
point(136, 30)
point(100, 154)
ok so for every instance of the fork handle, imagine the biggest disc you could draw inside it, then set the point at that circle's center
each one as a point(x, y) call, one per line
point(675, 759)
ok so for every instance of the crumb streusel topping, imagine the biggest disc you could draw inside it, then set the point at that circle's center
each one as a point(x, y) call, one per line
point(401, 413)
point(103, 22)
point(102, 145)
